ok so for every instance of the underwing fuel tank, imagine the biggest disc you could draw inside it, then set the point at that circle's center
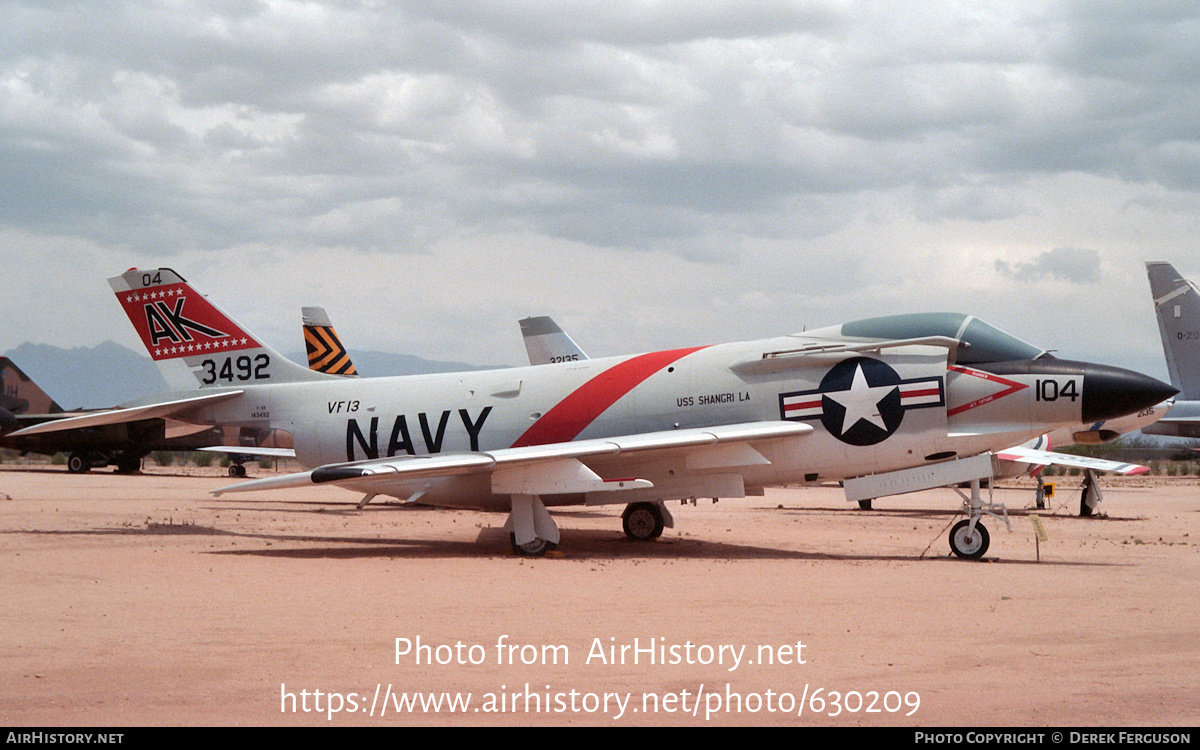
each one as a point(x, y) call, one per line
point(986, 396)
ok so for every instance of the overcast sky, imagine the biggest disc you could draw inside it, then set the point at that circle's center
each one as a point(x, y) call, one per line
point(652, 174)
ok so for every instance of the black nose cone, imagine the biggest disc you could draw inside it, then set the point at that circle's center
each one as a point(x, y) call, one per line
point(1111, 392)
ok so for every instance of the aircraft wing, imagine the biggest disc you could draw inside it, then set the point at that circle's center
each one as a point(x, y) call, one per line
point(1047, 458)
point(554, 468)
point(245, 450)
point(160, 410)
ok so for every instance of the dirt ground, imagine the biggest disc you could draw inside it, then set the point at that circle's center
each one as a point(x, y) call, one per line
point(143, 600)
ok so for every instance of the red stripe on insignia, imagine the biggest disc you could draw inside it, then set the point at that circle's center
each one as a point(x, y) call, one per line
point(580, 408)
point(934, 391)
point(802, 405)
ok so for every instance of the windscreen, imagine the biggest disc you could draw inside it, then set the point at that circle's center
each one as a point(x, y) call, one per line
point(986, 342)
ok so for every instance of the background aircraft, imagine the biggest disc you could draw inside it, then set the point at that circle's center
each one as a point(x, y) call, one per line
point(546, 343)
point(124, 445)
point(23, 404)
point(1177, 308)
point(325, 350)
point(20, 395)
point(906, 401)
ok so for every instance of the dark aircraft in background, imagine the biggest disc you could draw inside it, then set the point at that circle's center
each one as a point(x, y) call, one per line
point(24, 404)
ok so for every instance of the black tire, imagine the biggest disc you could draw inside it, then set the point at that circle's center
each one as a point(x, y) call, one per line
point(237, 470)
point(537, 548)
point(128, 464)
point(78, 463)
point(643, 522)
point(966, 545)
point(864, 504)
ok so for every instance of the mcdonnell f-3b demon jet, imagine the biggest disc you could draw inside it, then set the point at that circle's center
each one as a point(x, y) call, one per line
point(905, 401)
point(546, 343)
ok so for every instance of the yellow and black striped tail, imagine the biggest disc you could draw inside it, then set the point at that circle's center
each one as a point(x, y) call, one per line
point(325, 351)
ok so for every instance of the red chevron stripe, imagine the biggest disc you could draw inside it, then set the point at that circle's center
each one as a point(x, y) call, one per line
point(580, 408)
point(1010, 387)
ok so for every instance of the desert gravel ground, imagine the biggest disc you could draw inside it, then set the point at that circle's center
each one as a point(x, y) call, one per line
point(143, 600)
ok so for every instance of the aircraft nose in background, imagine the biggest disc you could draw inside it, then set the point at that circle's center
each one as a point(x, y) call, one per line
point(1111, 392)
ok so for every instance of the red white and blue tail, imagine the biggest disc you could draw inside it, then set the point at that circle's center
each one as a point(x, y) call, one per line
point(193, 342)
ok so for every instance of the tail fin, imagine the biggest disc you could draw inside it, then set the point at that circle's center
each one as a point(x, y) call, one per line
point(325, 351)
point(20, 395)
point(545, 342)
point(1177, 305)
point(195, 344)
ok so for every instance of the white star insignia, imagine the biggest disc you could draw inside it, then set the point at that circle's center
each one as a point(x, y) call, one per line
point(861, 401)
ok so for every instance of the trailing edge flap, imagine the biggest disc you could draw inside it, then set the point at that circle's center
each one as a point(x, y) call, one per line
point(160, 410)
point(557, 477)
point(505, 462)
point(1046, 458)
point(173, 428)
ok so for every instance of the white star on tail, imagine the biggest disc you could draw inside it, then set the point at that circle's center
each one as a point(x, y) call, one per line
point(861, 401)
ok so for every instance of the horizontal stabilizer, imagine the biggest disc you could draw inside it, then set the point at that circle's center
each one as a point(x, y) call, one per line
point(160, 410)
point(244, 450)
point(1047, 458)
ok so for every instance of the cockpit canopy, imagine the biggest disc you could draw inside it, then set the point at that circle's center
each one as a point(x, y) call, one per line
point(985, 343)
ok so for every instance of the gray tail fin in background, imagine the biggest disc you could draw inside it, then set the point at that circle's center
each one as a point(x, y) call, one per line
point(546, 343)
point(1177, 306)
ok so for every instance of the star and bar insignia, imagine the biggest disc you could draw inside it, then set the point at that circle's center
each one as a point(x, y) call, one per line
point(862, 401)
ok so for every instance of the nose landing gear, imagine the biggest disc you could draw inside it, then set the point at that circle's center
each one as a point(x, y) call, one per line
point(969, 539)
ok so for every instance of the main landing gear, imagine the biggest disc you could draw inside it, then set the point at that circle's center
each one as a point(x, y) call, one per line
point(644, 522)
point(1090, 495)
point(532, 531)
point(969, 539)
point(530, 528)
point(80, 462)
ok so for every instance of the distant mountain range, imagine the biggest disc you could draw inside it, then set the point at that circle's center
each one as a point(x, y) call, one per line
point(110, 374)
